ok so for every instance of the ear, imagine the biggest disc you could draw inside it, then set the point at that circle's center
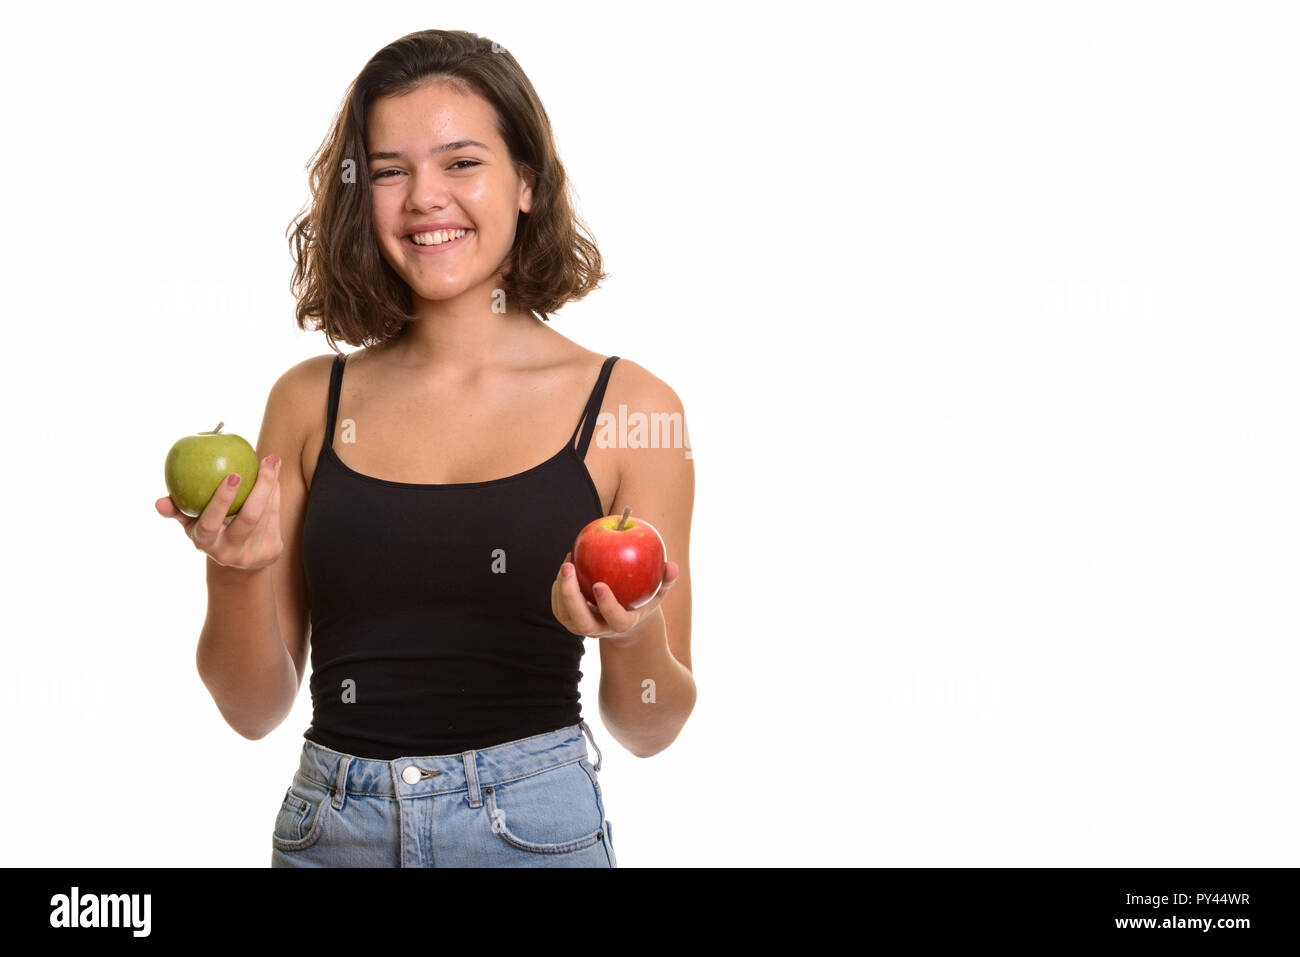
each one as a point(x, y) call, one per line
point(527, 184)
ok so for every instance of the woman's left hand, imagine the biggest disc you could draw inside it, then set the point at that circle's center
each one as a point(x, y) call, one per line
point(606, 618)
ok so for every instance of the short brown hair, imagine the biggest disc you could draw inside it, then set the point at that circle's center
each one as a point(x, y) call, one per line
point(342, 281)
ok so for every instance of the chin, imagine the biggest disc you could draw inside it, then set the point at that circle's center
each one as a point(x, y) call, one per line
point(440, 293)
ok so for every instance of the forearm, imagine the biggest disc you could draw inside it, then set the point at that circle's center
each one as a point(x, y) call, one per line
point(646, 694)
point(241, 657)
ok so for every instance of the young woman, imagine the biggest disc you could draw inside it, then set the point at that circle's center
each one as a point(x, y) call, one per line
point(416, 534)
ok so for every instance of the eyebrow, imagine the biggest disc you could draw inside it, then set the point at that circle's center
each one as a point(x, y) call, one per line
point(444, 148)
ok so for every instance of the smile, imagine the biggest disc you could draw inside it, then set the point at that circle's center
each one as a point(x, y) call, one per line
point(436, 247)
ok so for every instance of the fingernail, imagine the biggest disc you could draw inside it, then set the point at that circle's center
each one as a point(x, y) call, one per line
point(566, 570)
point(233, 480)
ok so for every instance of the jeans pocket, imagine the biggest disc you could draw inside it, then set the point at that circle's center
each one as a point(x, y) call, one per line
point(301, 817)
point(556, 811)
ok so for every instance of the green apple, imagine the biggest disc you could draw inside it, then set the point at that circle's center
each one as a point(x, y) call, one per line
point(198, 464)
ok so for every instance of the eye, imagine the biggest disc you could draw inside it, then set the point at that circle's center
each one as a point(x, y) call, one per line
point(383, 174)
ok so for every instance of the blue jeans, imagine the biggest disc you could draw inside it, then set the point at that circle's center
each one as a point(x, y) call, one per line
point(534, 802)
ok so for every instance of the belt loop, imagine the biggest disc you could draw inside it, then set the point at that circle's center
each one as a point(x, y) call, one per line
point(471, 777)
point(340, 788)
point(587, 731)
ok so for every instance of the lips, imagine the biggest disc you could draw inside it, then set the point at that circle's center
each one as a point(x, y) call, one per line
point(419, 228)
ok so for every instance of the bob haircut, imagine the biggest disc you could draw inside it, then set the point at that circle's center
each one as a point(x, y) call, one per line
point(342, 281)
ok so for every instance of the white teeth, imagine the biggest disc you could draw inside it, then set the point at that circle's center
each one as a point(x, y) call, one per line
point(438, 238)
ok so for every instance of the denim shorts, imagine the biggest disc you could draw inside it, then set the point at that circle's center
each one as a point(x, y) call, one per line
point(534, 802)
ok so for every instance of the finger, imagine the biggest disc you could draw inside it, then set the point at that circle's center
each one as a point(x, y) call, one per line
point(273, 529)
point(565, 613)
point(167, 508)
point(620, 620)
point(213, 517)
point(568, 560)
point(250, 513)
point(557, 604)
point(581, 614)
point(671, 572)
point(575, 617)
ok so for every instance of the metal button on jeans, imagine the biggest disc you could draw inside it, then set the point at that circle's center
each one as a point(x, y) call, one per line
point(411, 775)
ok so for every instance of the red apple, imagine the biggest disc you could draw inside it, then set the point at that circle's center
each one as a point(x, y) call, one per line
point(627, 554)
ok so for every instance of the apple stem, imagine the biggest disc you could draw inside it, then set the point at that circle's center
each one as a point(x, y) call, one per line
point(626, 512)
point(216, 430)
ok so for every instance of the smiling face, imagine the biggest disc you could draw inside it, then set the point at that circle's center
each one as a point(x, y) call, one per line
point(438, 163)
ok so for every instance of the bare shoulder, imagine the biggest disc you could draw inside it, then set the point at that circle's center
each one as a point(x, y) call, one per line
point(302, 384)
point(298, 396)
point(633, 383)
point(308, 373)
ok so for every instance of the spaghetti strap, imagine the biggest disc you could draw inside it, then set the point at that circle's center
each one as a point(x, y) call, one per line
point(336, 383)
point(587, 424)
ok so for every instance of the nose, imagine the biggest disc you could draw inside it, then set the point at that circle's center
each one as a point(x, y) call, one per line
point(429, 189)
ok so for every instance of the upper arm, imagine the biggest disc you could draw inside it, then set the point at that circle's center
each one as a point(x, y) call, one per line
point(658, 482)
point(290, 406)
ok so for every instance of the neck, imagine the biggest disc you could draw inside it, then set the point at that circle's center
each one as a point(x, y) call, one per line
point(463, 337)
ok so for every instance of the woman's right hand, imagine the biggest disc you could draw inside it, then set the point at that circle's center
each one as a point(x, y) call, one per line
point(247, 540)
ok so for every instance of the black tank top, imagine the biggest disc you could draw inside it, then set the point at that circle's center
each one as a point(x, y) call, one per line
point(431, 622)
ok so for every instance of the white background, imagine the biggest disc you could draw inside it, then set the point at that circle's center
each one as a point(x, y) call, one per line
point(984, 319)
